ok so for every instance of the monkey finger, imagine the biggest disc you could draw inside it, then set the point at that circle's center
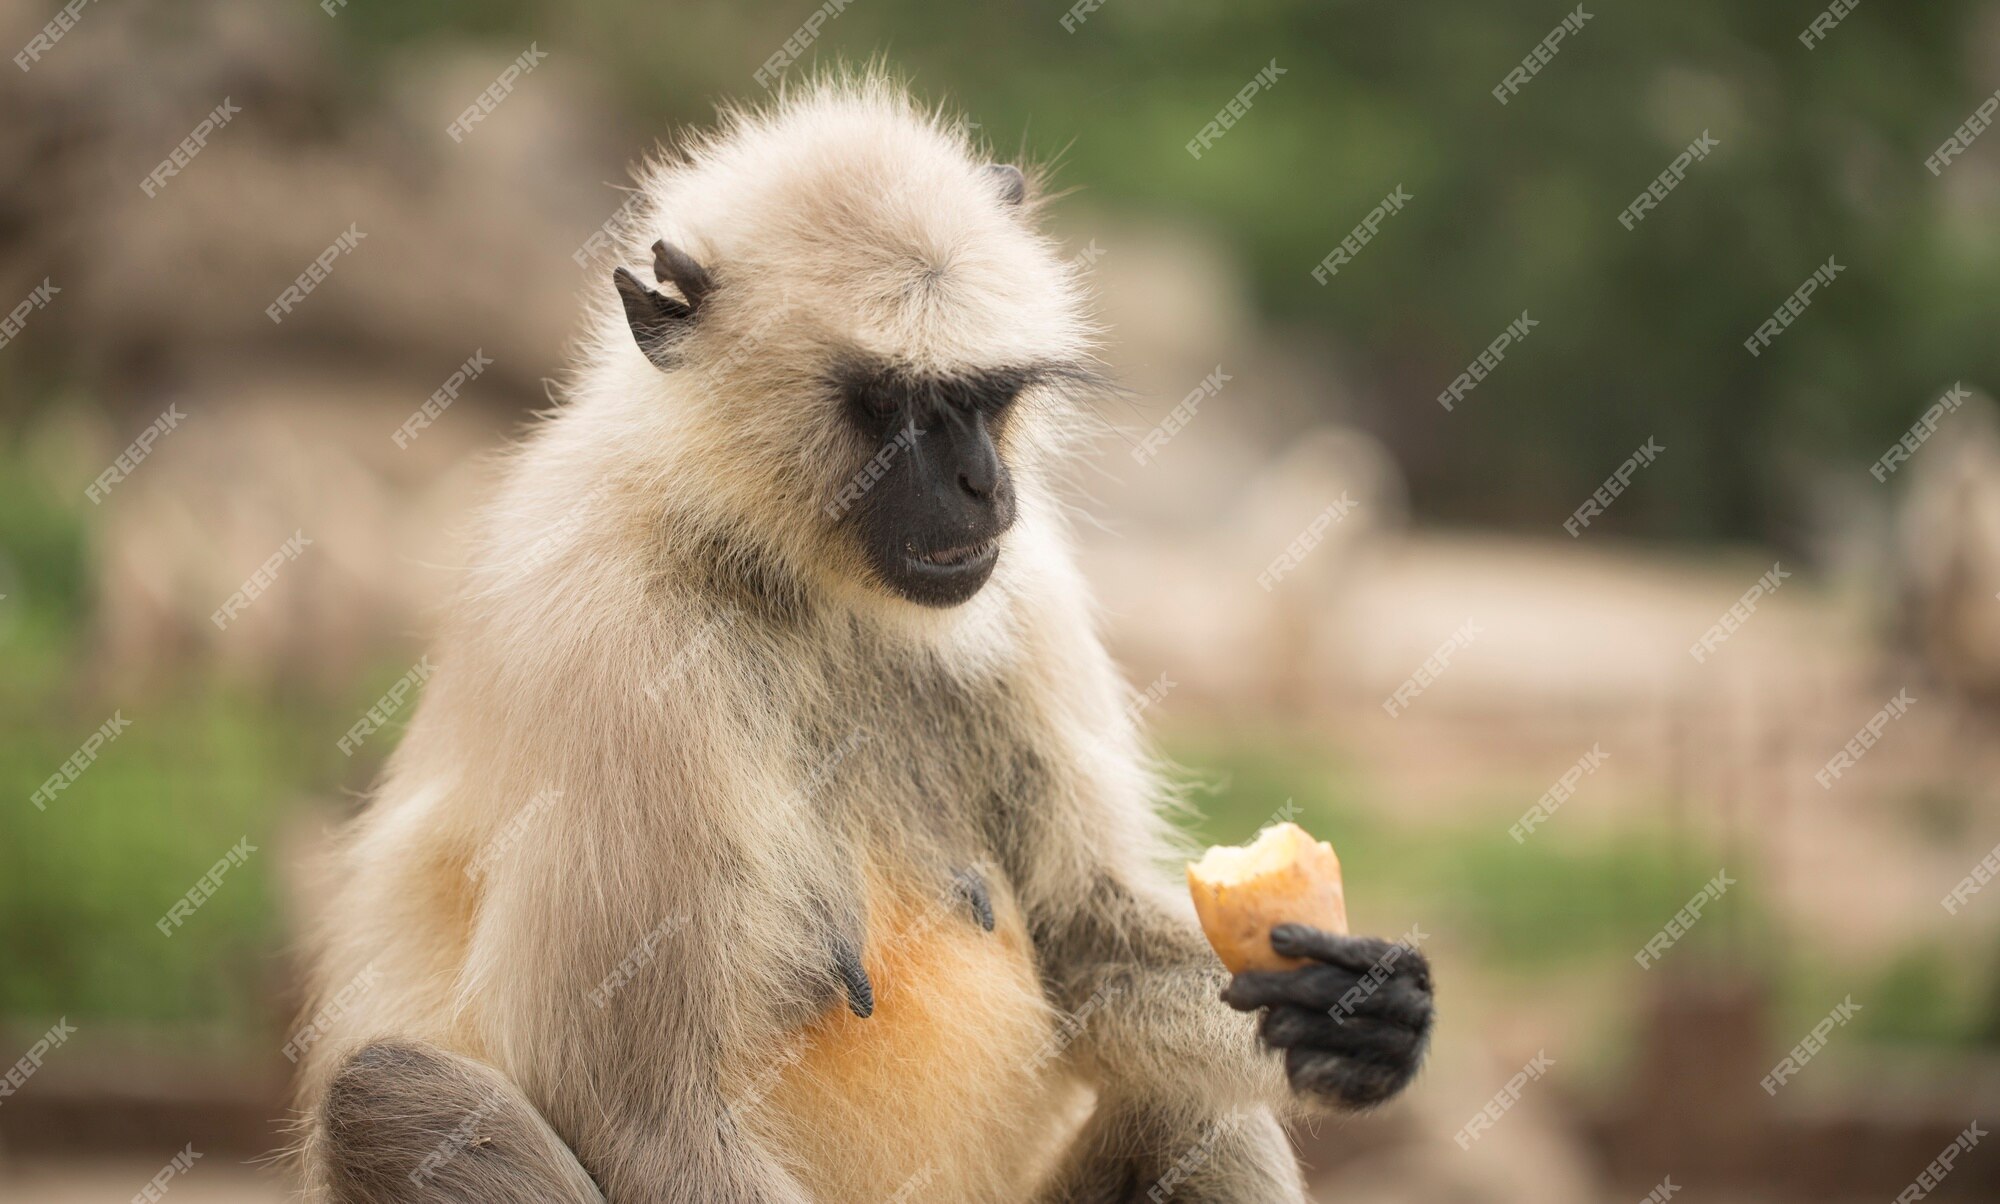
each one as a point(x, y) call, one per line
point(1313, 986)
point(1349, 1082)
point(1396, 1001)
point(1361, 954)
point(1368, 1040)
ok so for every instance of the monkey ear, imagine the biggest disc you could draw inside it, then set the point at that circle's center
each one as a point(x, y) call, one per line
point(672, 263)
point(657, 322)
point(1006, 177)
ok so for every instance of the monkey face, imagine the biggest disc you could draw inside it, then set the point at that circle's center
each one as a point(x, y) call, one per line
point(930, 503)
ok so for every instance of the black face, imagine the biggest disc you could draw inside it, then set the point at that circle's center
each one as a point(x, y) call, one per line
point(931, 502)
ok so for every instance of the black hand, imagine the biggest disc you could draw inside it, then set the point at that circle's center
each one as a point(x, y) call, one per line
point(1353, 1024)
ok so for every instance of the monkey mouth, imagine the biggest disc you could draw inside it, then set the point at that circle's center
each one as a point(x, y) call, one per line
point(940, 576)
point(963, 558)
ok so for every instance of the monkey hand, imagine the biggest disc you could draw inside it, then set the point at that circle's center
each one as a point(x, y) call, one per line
point(1352, 1023)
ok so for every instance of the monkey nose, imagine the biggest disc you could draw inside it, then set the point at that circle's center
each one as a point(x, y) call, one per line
point(977, 481)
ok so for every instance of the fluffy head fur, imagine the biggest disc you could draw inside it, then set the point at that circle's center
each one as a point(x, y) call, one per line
point(845, 231)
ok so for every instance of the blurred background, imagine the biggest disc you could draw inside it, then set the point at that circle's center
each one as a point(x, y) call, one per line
point(1312, 532)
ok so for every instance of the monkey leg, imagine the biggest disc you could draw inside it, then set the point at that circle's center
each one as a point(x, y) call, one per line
point(404, 1121)
point(1134, 1154)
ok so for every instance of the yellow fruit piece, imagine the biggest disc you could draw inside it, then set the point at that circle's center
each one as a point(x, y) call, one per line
point(1282, 877)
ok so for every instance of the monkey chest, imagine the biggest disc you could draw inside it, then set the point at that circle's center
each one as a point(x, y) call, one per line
point(946, 1090)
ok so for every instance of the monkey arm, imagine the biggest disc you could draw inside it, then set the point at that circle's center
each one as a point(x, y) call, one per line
point(1186, 1095)
point(613, 973)
point(1142, 995)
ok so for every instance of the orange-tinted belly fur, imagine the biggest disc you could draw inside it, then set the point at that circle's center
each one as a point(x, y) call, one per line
point(945, 1092)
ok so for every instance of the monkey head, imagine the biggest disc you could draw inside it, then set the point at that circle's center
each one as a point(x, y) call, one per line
point(861, 345)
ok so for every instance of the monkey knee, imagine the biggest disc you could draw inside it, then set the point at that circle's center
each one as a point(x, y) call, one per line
point(1139, 1152)
point(404, 1121)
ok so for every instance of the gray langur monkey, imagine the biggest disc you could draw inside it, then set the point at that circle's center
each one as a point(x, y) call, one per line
point(773, 828)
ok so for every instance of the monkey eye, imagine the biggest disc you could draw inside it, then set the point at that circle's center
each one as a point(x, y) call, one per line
point(880, 402)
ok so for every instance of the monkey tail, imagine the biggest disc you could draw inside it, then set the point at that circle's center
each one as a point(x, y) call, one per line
point(406, 1121)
